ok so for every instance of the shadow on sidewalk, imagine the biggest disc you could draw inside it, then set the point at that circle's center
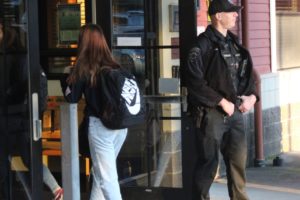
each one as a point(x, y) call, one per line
point(287, 175)
point(270, 182)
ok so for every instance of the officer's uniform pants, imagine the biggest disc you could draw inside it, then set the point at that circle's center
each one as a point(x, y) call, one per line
point(227, 135)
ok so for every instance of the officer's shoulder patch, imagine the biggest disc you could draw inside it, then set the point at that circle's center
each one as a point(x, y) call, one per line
point(194, 54)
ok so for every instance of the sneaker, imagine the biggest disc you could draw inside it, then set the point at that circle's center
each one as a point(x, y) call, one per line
point(59, 194)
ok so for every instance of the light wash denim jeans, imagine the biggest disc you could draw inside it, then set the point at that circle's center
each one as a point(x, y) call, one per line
point(105, 145)
point(49, 179)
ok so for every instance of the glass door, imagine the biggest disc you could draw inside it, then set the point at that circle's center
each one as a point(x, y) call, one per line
point(145, 40)
point(20, 148)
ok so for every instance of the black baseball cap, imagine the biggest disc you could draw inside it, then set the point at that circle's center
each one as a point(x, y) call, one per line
point(216, 6)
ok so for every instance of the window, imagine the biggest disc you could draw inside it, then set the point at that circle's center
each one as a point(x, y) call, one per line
point(288, 31)
point(59, 33)
point(287, 5)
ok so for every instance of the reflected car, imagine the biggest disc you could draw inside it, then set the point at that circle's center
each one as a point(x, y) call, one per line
point(129, 22)
point(131, 59)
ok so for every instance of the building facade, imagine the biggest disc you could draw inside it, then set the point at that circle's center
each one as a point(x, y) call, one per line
point(151, 39)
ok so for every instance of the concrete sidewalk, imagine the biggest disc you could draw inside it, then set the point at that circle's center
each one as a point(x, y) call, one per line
point(268, 183)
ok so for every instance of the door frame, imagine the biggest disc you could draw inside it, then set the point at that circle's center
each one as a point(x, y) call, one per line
point(188, 35)
point(34, 76)
point(33, 191)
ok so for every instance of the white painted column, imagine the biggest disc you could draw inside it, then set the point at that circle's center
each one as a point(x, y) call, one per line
point(70, 153)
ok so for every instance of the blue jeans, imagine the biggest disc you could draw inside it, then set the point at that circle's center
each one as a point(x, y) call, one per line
point(105, 145)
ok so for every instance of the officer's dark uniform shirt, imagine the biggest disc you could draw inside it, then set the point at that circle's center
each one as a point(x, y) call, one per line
point(232, 56)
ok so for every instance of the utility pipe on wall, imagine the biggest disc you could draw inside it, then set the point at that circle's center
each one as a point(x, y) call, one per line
point(259, 151)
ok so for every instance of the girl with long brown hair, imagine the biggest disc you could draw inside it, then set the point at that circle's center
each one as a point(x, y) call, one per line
point(105, 144)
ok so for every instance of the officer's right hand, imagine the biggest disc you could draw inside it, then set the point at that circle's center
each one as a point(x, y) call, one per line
point(227, 106)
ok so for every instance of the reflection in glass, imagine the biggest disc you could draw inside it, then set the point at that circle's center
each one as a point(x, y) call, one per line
point(128, 22)
point(64, 18)
point(60, 30)
point(151, 155)
point(14, 108)
point(58, 64)
point(168, 23)
point(134, 61)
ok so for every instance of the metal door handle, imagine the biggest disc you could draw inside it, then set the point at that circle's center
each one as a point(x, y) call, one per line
point(38, 128)
point(36, 122)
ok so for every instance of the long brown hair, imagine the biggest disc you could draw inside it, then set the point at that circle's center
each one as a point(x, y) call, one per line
point(93, 54)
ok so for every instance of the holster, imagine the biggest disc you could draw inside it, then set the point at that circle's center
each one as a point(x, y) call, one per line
point(199, 115)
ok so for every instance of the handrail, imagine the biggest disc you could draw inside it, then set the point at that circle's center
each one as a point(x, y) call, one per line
point(163, 99)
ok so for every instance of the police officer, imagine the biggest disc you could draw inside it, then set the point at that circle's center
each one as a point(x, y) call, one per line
point(220, 89)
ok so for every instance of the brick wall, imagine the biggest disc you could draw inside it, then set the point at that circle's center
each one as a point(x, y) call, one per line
point(281, 127)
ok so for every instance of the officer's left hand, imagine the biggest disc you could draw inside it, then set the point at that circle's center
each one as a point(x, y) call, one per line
point(247, 102)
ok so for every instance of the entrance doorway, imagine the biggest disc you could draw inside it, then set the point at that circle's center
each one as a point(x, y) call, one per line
point(146, 38)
